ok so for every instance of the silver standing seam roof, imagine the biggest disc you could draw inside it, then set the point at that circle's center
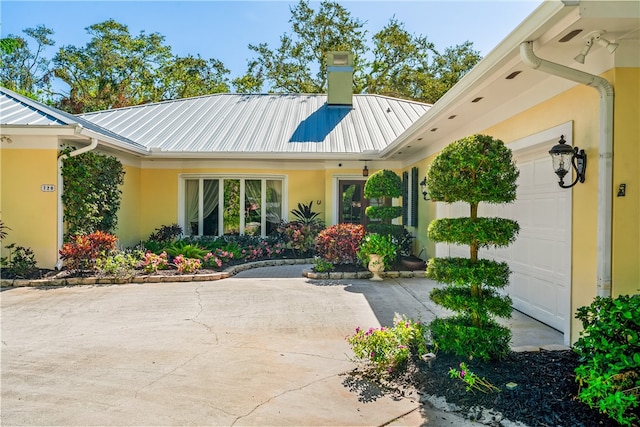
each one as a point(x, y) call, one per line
point(18, 110)
point(262, 125)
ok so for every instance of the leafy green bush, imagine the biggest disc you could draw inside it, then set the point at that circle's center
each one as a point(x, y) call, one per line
point(121, 264)
point(609, 348)
point(473, 170)
point(388, 349)
point(21, 262)
point(322, 266)
point(91, 196)
point(378, 244)
point(188, 250)
point(399, 235)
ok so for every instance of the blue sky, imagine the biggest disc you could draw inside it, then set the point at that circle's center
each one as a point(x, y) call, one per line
point(223, 29)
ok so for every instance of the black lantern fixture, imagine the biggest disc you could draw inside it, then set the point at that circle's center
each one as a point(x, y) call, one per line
point(365, 170)
point(423, 187)
point(564, 157)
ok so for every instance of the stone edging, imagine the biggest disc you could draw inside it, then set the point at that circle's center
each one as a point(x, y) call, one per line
point(74, 281)
point(362, 274)
point(231, 271)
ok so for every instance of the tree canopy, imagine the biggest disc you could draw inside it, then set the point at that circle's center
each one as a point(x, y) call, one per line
point(118, 69)
point(401, 64)
point(24, 70)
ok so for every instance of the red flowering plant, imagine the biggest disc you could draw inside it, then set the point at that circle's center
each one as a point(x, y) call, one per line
point(339, 243)
point(83, 250)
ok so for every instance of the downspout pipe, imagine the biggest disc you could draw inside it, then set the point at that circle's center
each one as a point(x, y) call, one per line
point(605, 154)
point(60, 224)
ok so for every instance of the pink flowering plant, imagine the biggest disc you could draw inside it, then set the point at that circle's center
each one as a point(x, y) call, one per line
point(472, 381)
point(263, 249)
point(211, 260)
point(151, 262)
point(388, 349)
point(186, 265)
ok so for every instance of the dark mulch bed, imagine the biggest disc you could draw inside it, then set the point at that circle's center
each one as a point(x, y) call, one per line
point(544, 395)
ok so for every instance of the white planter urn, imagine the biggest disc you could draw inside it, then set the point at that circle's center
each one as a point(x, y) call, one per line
point(376, 266)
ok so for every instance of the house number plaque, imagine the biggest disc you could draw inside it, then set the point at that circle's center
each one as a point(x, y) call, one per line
point(47, 188)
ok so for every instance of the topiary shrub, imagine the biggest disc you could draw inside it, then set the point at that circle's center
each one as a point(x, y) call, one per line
point(609, 349)
point(384, 185)
point(475, 169)
point(339, 243)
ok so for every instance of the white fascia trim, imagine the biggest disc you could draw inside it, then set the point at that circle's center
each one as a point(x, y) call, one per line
point(112, 142)
point(40, 130)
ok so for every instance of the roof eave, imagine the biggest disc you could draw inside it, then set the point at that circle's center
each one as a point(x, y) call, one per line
point(114, 143)
point(540, 21)
point(165, 155)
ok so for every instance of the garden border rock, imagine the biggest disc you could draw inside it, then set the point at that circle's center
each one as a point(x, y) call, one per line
point(94, 280)
point(228, 272)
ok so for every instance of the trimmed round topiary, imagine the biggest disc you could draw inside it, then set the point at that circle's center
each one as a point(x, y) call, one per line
point(457, 297)
point(474, 169)
point(481, 231)
point(459, 335)
point(383, 183)
point(461, 271)
point(383, 212)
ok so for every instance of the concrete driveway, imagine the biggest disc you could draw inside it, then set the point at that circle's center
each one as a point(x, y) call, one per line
point(249, 350)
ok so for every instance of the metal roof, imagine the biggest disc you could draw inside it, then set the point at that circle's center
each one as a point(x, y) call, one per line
point(18, 110)
point(294, 125)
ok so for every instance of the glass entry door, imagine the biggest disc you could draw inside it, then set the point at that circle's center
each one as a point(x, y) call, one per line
point(352, 203)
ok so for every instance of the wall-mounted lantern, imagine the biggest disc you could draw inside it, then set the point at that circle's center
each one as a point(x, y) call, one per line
point(423, 187)
point(564, 156)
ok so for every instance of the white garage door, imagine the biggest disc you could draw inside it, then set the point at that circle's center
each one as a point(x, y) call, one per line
point(540, 258)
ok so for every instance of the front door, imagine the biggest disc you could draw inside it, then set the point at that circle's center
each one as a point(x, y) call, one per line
point(352, 203)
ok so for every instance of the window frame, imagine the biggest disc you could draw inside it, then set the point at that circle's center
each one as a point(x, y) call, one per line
point(242, 177)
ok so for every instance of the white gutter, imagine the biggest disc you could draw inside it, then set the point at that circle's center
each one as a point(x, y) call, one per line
point(605, 149)
point(60, 224)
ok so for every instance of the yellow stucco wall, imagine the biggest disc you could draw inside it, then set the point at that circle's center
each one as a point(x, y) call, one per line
point(29, 212)
point(426, 213)
point(128, 229)
point(626, 170)
point(159, 192)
